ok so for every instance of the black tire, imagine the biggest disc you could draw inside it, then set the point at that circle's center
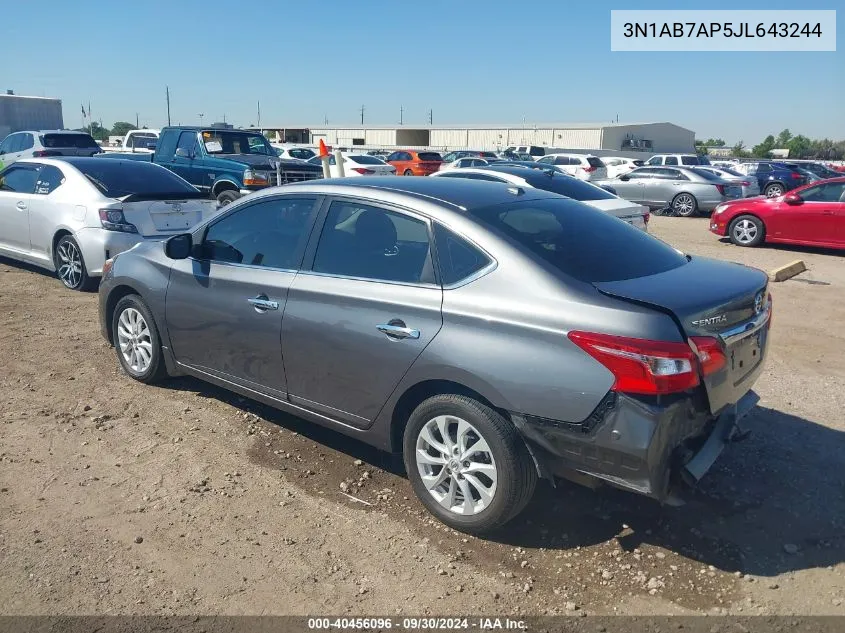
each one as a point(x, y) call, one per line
point(747, 230)
point(157, 370)
point(408, 172)
point(227, 196)
point(516, 473)
point(685, 205)
point(70, 265)
point(773, 190)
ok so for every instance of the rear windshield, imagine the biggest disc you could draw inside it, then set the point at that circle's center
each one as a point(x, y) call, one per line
point(362, 159)
point(430, 156)
point(81, 141)
point(594, 162)
point(570, 187)
point(580, 241)
point(730, 172)
point(694, 160)
point(638, 163)
point(707, 174)
point(118, 178)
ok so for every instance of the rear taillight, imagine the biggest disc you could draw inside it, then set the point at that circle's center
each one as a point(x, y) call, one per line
point(362, 170)
point(114, 220)
point(721, 189)
point(640, 365)
point(40, 153)
point(796, 175)
point(646, 217)
point(745, 183)
point(589, 169)
point(711, 356)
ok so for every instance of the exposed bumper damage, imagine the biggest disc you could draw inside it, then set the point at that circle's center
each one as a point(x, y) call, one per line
point(634, 444)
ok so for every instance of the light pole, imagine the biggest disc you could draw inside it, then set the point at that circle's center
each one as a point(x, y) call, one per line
point(200, 115)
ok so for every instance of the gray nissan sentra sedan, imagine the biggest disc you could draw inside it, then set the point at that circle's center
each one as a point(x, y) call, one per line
point(492, 334)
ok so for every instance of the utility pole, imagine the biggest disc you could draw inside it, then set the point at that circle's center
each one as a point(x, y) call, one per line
point(167, 88)
point(431, 117)
point(137, 121)
point(224, 118)
point(259, 115)
point(401, 112)
point(325, 119)
point(362, 115)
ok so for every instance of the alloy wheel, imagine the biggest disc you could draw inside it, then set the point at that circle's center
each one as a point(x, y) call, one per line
point(70, 264)
point(135, 341)
point(745, 231)
point(456, 465)
point(684, 204)
point(774, 191)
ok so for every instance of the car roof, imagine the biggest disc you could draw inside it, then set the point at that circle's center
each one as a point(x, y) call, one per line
point(83, 161)
point(49, 132)
point(464, 194)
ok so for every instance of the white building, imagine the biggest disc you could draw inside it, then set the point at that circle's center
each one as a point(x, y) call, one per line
point(597, 137)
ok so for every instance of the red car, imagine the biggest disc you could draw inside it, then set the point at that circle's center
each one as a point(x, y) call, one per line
point(812, 215)
point(413, 163)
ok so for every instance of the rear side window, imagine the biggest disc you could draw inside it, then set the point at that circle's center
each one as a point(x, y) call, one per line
point(19, 179)
point(764, 168)
point(49, 179)
point(367, 242)
point(429, 156)
point(671, 160)
point(691, 160)
point(580, 241)
point(79, 141)
point(458, 258)
point(595, 162)
point(271, 233)
point(27, 142)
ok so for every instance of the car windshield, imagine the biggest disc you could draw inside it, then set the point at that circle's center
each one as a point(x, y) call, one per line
point(580, 241)
point(363, 159)
point(79, 141)
point(120, 178)
point(220, 142)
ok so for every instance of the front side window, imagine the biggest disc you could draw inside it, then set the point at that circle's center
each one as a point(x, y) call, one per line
point(49, 179)
point(19, 179)
point(6, 145)
point(638, 174)
point(654, 160)
point(15, 142)
point(360, 240)
point(187, 141)
point(458, 259)
point(830, 192)
point(270, 233)
point(28, 142)
point(580, 241)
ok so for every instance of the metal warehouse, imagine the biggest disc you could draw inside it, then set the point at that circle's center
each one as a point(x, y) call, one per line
point(29, 113)
point(597, 137)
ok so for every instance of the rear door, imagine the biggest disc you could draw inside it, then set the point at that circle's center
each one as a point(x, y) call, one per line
point(362, 312)
point(17, 193)
point(224, 304)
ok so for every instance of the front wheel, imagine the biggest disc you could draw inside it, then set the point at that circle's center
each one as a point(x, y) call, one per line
point(774, 190)
point(227, 197)
point(685, 205)
point(136, 340)
point(70, 267)
point(467, 463)
point(747, 230)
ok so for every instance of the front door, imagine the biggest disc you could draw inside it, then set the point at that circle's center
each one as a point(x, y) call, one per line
point(224, 306)
point(187, 166)
point(359, 318)
point(17, 195)
point(819, 217)
point(633, 187)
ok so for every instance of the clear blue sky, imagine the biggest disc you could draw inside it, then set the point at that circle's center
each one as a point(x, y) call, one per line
point(471, 61)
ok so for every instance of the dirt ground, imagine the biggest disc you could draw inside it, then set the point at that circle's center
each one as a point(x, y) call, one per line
point(118, 498)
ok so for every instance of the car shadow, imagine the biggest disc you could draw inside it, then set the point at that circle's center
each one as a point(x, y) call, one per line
point(794, 248)
point(32, 268)
point(771, 504)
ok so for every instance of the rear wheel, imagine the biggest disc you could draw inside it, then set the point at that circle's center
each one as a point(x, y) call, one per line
point(408, 172)
point(70, 267)
point(774, 190)
point(136, 340)
point(747, 230)
point(685, 205)
point(227, 197)
point(467, 463)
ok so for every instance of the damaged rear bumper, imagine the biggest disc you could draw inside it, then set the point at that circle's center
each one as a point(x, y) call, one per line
point(642, 446)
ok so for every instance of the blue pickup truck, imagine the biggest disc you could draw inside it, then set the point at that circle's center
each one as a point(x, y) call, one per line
point(226, 163)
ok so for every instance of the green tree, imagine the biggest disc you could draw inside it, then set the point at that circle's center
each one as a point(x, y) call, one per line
point(715, 142)
point(121, 128)
point(762, 149)
point(783, 139)
point(98, 132)
point(799, 146)
point(739, 151)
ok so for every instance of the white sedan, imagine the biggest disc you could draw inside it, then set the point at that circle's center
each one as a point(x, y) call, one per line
point(618, 165)
point(357, 165)
point(298, 152)
point(70, 215)
point(466, 161)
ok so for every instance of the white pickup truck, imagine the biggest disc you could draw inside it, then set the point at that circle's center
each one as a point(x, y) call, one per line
point(141, 141)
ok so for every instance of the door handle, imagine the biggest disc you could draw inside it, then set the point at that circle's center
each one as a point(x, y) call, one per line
point(827, 212)
point(398, 331)
point(21, 205)
point(261, 303)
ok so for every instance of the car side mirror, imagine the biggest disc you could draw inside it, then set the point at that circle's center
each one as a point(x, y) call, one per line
point(179, 246)
point(793, 198)
point(624, 177)
point(181, 151)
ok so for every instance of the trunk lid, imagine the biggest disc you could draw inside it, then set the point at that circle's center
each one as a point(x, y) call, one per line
point(631, 212)
point(163, 217)
point(711, 298)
